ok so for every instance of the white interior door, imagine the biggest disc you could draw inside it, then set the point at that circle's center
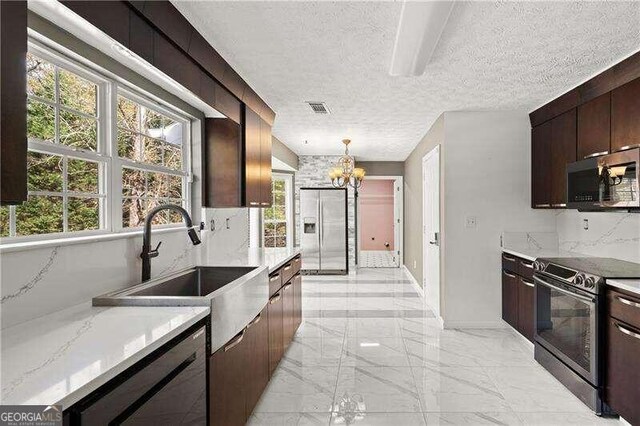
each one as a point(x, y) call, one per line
point(397, 222)
point(431, 229)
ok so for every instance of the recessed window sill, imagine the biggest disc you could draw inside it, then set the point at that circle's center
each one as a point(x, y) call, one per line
point(85, 239)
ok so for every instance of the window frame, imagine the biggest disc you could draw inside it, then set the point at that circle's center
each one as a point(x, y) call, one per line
point(288, 191)
point(106, 155)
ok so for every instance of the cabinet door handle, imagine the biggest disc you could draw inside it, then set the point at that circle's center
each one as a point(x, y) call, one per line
point(265, 204)
point(559, 205)
point(526, 264)
point(508, 258)
point(628, 302)
point(287, 287)
point(255, 320)
point(527, 282)
point(543, 205)
point(596, 154)
point(275, 298)
point(627, 331)
point(286, 268)
point(274, 278)
point(236, 341)
point(254, 203)
point(508, 274)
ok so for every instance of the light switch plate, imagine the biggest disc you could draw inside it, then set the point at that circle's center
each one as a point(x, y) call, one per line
point(585, 224)
point(470, 222)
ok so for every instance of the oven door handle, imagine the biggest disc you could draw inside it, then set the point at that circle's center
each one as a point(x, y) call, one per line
point(563, 291)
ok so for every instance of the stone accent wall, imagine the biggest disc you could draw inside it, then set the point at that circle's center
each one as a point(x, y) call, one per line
point(313, 172)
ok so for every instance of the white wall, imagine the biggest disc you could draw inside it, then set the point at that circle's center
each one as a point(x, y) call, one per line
point(486, 176)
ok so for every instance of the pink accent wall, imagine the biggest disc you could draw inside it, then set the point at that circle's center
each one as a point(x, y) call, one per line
point(376, 214)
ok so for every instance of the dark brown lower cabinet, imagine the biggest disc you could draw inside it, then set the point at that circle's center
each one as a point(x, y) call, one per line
point(510, 298)
point(622, 347)
point(518, 294)
point(257, 374)
point(239, 373)
point(622, 392)
point(288, 321)
point(276, 329)
point(525, 323)
point(297, 301)
point(227, 386)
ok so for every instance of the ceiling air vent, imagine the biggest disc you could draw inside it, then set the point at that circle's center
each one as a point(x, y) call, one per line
point(319, 107)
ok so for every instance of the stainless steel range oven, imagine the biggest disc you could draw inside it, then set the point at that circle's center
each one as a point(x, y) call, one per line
point(567, 331)
point(569, 301)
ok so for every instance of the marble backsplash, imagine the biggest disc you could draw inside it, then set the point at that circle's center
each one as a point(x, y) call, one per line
point(609, 235)
point(39, 281)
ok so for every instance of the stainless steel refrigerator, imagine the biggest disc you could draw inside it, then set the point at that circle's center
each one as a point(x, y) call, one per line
point(323, 233)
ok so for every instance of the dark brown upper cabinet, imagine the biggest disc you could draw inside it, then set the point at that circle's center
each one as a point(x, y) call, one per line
point(141, 36)
point(252, 159)
point(169, 21)
point(594, 127)
point(563, 152)
point(541, 165)
point(157, 32)
point(112, 17)
point(265, 164)
point(237, 162)
point(625, 116)
point(13, 102)
point(222, 163)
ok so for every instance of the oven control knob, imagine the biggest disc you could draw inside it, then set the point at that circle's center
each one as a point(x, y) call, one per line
point(536, 265)
point(590, 282)
point(579, 279)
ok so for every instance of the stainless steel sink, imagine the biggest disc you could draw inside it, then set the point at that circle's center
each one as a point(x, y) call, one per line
point(235, 294)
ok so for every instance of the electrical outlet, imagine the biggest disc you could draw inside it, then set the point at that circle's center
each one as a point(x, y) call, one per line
point(415, 264)
point(470, 222)
point(585, 224)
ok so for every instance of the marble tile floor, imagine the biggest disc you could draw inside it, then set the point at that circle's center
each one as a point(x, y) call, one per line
point(377, 259)
point(368, 354)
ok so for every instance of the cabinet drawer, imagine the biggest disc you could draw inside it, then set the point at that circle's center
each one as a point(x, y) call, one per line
point(510, 263)
point(297, 263)
point(623, 370)
point(275, 282)
point(287, 272)
point(525, 269)
point(624, 307)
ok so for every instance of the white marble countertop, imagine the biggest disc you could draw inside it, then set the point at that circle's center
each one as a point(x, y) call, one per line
point(62, 357)
point(273, 258)
point(532, 254)
point(632, 285)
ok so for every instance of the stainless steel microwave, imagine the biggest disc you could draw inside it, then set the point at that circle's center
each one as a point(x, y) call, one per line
point(605, 182)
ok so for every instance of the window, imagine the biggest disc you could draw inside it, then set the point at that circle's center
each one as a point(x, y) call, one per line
point(99, 155)
point(150, 147)
point(277, 223)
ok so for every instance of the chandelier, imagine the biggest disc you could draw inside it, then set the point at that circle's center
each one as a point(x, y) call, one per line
point(346, 173)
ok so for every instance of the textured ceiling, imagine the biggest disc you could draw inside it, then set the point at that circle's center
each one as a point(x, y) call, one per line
point(492, 55)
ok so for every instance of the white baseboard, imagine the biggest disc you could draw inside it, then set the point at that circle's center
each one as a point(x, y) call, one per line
point(415, 284)
point(420, 291)
point(473, 324)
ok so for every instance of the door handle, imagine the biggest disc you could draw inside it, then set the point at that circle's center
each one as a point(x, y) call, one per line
point(275, 298)
point(435, 241)
point(565, 292)
point(527, 282)
point(255, 320)
point(627, 332)
point(236, 341)
point(628, 302)
point(526, 264)
point(508, 274)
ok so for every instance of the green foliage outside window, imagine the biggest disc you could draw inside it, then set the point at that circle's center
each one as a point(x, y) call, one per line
point(275, 217)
